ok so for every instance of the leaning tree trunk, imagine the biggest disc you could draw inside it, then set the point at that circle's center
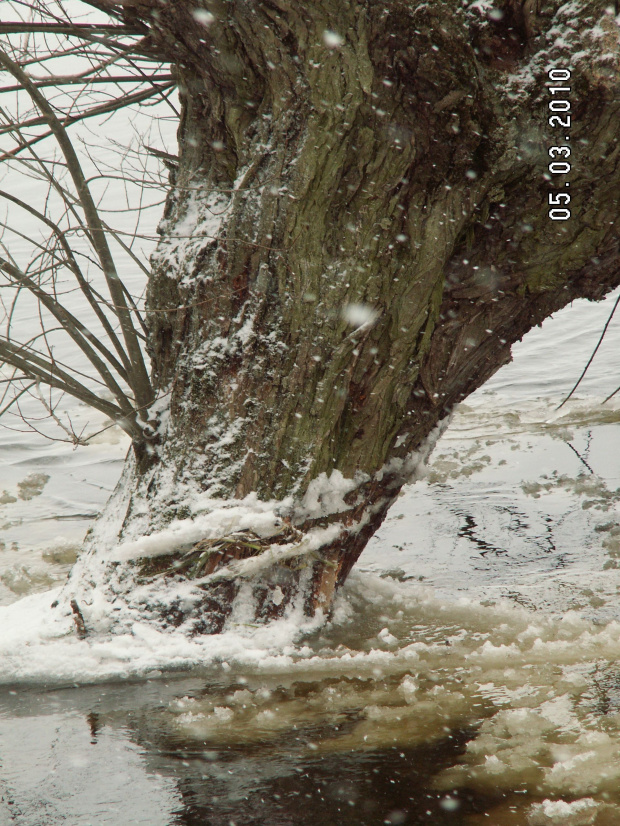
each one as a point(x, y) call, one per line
point(357, 231)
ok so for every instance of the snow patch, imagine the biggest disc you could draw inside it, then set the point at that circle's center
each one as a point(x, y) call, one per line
point(196, 225)
point(411, 468)
point(312, 541)
point(325, 494)
point(226, 517)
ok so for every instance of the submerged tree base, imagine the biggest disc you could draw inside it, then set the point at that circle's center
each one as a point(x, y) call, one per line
point(261, 560)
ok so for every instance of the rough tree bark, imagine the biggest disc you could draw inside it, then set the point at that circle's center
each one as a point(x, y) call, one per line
point(356, 232)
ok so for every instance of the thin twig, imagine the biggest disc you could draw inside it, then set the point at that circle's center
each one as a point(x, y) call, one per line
point(138, 376)
point(591, 359)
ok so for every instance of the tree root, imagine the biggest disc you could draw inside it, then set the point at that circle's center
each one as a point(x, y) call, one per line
point(80, 625)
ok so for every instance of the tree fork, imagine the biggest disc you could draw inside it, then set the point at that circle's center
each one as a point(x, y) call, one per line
point(357, 232)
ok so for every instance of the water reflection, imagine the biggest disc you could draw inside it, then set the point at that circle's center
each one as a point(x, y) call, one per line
point(54, 771)
point(485, 715)
point(392, 786)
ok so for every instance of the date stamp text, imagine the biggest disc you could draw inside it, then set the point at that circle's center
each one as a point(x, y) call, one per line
point(559, 117)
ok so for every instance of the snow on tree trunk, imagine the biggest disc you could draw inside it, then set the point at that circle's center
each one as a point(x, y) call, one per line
point(357, 231)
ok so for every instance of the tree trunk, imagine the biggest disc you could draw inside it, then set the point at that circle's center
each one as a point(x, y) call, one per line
point(357, 231)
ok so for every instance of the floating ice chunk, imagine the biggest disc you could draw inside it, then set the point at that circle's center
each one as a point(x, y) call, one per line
point(223, 713)
point(408, 688)
point(387, 637)
point(560, 712)
point(578, 813)
point(493, 765)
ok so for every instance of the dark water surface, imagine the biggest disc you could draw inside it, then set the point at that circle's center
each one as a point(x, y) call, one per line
point(106, 754)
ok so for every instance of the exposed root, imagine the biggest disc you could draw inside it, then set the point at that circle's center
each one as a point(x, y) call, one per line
point(80, 625)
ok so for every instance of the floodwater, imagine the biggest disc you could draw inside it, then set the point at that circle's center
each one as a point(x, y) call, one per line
point(469, 674)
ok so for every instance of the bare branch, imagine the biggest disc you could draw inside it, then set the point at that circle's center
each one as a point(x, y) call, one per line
point(51, 409)
point(591, 359)
point(74, 328)
point(36, 367)
point(77, 29)
point(89, 293)
point(138, 376)
point(81, 81)
point(102, 109)
point(16, 398)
